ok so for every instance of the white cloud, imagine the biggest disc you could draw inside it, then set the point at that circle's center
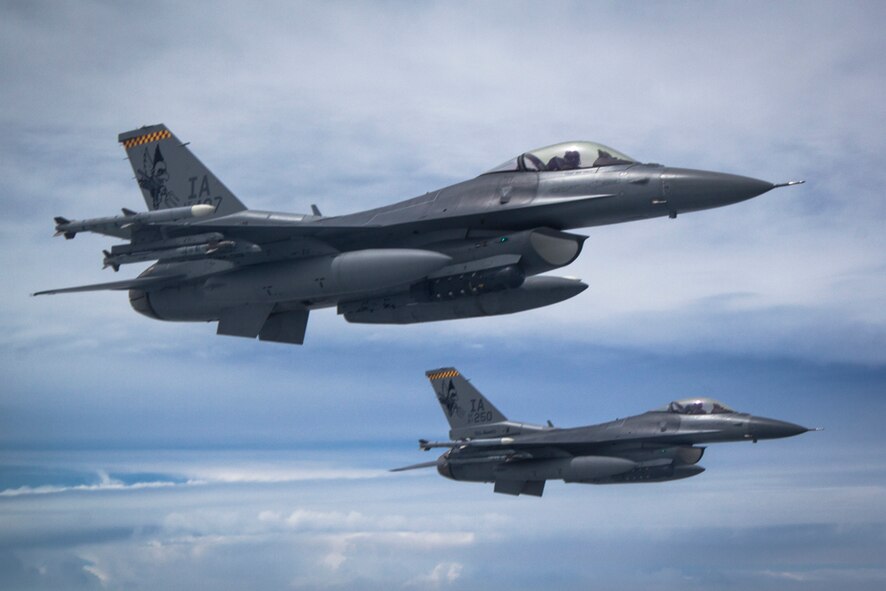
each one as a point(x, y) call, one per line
point(102, 576)
point(434, 532)
point(444, 573)
point(103, 487)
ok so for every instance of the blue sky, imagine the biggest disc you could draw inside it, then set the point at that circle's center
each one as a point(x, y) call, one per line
point(135, 453)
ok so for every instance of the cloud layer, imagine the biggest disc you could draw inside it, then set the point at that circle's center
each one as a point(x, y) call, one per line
point(736, 525)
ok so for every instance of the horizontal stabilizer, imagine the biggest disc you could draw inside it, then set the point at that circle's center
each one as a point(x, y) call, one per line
point(285, 327)
point(137, 283)
point(534, 488)
point(244, 321)
point(256, 320)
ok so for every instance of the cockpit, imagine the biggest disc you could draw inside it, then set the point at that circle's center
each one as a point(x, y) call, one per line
point(565, 156)
point(697, 406)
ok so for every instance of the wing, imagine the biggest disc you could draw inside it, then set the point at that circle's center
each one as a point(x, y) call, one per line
point(137, 283)
point(431, 464)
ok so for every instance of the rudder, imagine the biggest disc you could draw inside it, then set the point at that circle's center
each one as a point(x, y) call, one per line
point(169, 175)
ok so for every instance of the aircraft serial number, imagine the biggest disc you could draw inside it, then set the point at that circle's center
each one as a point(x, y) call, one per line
point(480, 417)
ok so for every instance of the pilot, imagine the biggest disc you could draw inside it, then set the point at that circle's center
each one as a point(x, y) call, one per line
point(569, 161)
point(604, 158)
point(695, 408)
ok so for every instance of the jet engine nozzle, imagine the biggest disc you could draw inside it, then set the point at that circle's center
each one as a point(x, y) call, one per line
point(443, 468)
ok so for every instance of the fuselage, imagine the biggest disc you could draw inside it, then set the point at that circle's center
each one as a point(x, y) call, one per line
point(652, 447)
point(502, 223)
point(481, 247)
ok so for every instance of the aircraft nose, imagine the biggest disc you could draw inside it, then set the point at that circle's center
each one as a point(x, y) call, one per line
point(763, 428)
point(690, 190)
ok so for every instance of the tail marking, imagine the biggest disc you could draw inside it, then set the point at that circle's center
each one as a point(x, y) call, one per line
point(147, 138)
point(449, 373)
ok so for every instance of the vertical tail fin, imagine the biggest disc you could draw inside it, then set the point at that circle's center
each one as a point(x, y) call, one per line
point(170, 176)
point(469, 413)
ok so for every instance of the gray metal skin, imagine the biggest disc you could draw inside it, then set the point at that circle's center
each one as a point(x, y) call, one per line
point(656, 446)
point(471, 249)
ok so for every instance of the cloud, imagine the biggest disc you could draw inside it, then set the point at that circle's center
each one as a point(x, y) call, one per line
point(444, 573)
point(822, 576)
point(741, 520)
point(201, 475)
point(341, 546)
point(103, 487)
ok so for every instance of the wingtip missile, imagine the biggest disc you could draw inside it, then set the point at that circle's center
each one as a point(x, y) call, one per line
point(69, 228)
point(59, 231)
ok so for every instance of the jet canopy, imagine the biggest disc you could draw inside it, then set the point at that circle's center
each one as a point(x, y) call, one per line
point(697, 406)
point(565, 156)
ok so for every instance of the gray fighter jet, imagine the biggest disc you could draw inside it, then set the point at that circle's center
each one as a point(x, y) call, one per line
point(472, 249)
point(655, 446)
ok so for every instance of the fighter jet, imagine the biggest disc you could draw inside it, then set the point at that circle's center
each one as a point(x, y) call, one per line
point(656, 446)
point(472, 249)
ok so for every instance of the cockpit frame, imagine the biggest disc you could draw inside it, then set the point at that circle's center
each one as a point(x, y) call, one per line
point(565, 156)
point(697, 406)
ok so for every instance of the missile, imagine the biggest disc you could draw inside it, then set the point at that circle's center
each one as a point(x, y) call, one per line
point(425, 445)
point(191, 240)
point(181, 253)
point(69, 228)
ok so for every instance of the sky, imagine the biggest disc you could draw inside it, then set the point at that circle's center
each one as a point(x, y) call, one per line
point(145, 454)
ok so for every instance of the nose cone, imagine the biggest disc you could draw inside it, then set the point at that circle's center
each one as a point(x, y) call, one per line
point(763, 428)
point(692, 190)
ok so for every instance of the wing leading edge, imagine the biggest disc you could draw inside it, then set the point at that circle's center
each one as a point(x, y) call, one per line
point(136, 283)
